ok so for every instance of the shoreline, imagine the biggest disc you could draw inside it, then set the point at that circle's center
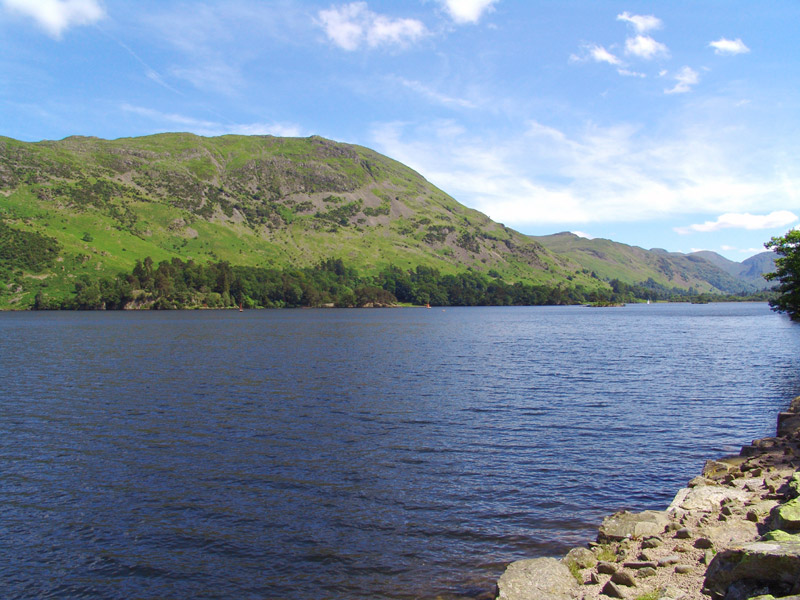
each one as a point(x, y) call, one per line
point(732, 534)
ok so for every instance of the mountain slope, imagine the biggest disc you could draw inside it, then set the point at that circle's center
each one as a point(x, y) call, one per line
point(248, 200)
point(613, 260)
point(755, 267)
point(91, 207)
point(751, 270)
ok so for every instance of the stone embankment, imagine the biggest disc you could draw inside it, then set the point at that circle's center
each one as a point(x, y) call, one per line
point(732, 534)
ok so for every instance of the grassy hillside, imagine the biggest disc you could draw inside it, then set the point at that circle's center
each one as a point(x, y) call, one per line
point(100, 205)
point(89, 208)
point(612, 260)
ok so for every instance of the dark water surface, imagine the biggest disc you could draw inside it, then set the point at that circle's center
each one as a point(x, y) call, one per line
point(314, 454)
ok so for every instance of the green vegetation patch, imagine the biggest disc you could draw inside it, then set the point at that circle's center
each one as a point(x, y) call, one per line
point(26, 250)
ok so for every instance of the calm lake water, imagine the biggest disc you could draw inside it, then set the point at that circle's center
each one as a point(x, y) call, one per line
point(314, 454)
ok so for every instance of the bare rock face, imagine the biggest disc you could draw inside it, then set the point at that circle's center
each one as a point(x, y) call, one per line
point(708, 498)
point(772, 562)
point(537, 579)
point(626, 525)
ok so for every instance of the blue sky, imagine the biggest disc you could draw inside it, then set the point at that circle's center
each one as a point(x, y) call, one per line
point(657, 124)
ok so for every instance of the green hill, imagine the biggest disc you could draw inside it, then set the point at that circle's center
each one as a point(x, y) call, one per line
point(85, 208)
point(613, 260)
point(248, 200)
point(750, 270)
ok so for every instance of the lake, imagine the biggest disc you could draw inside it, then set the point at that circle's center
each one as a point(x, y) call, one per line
point(315, 454)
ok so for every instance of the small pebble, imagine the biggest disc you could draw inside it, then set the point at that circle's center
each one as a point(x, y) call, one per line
point(683, 533)
point(683, 569)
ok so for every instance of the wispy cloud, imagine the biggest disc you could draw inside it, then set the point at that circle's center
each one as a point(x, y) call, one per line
point(600, 54)
point(213, 74)
point(467, 11)
point(352, 25)
point(432, 94)
point(213, 44)
point(169, 121)
point(726, 46)
point(639, 46)
point(641, 23)
point(778, 218)
point(686, 78)
point(628, 73)
point(545, 175)
point(56, 16)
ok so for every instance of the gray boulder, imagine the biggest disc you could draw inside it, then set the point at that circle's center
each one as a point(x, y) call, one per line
point(537, 579)
point(583, 558)
point(773, 562)
point(626, 525)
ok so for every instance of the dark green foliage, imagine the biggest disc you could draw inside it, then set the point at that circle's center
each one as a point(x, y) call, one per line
point(383, 209)
point(437, 234)
point(26, 249)
point(178, 284)
point(468, 241)
point(341, 214)
point(787, 272)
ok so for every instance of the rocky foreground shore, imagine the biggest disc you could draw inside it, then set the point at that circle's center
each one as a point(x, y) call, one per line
point(732, 534)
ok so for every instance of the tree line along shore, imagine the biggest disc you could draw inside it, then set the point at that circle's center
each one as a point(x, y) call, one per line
point(178, 284)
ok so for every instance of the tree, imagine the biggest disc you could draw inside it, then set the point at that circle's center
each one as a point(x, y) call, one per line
point(787, 272)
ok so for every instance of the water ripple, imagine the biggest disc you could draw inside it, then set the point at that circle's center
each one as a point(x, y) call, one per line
point(357, 454)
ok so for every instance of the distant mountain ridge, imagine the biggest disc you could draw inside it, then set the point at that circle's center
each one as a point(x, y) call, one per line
point(92, 207)
point(609, 259)
point(751, 269)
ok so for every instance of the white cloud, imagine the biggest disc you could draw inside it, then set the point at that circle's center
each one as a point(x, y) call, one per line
point(544, 175)
point(643, 46)
point(168, 121)
point(353, 24)
point(467, 11)
point(778, 218)
point(686, 78)
point(56, 16)
point(583, 235)
point(627, 73)
point(726, 46)
point(641, 23)
point(600, 54)
point(597, 53)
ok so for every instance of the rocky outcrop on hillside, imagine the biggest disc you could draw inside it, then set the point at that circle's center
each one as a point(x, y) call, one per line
point(732, 534)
